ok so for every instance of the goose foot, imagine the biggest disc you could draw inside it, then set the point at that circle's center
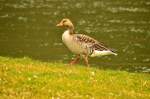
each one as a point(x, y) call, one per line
point(74, 61)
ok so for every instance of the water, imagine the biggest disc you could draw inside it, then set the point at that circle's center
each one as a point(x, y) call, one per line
point(28, 28)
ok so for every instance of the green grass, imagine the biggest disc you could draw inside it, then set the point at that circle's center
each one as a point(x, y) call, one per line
point(26, 78)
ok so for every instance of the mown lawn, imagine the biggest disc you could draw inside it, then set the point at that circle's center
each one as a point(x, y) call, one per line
point(25, 78)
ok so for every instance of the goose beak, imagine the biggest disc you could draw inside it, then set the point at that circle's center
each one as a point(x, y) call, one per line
point(59, 25)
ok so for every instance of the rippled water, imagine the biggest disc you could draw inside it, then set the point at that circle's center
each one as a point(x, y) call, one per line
point(27, 28)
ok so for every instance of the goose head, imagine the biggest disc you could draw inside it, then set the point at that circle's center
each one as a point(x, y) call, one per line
point(66, 23)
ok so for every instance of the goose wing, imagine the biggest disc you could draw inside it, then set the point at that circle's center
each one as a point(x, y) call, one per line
point(90, 42)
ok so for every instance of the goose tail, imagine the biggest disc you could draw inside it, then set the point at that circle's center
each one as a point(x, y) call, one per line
point(102, 53)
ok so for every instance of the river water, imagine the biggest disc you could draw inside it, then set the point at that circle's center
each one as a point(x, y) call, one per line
point(28, 28)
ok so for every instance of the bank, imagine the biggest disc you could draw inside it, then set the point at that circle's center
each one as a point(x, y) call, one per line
point(28, 78)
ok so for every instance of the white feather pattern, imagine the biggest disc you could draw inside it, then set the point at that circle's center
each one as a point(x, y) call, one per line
point(102, 53)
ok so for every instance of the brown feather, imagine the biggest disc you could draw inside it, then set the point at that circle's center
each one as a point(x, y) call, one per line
point(92, 43)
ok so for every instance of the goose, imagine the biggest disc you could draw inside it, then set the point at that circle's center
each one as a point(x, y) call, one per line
point(82, 45)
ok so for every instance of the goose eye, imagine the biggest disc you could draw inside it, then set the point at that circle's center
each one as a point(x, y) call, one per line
point(64, 21)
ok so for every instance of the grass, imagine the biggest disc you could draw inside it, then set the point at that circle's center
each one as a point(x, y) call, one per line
point(26, 78)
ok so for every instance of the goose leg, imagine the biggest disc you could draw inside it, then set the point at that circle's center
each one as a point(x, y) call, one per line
point(74, 61)
point(85, 57)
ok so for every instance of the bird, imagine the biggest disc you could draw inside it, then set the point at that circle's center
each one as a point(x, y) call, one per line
point(83, 46)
